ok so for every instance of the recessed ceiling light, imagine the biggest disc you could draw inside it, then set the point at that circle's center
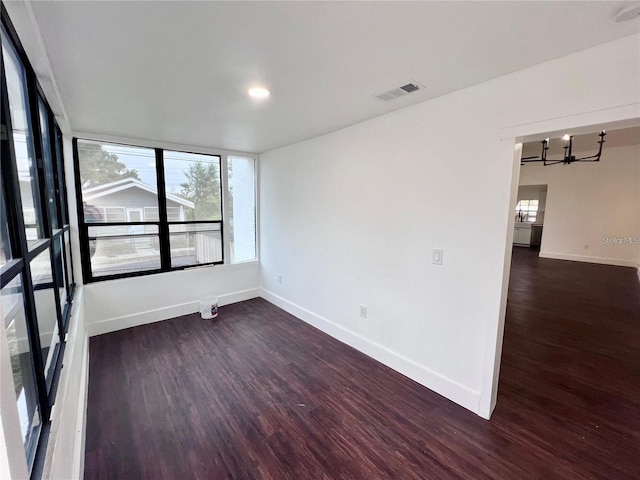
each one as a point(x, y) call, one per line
point(259, 92)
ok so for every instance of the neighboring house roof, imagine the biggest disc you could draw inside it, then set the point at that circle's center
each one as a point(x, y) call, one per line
point(126, 183)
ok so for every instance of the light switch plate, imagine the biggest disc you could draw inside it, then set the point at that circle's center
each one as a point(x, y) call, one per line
point(436, 256)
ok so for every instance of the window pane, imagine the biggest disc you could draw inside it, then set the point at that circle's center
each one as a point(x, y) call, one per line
point(242, 209)
point(123, 249)
point(23, 141)
point(195, 243)
point(24, 382)
point(527, 210)
point(193, 186)
point(116, 180)
point(50, 185)
point(46, 308)
point(5, 245)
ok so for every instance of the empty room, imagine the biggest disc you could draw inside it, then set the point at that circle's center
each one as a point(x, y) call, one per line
point(320, 240)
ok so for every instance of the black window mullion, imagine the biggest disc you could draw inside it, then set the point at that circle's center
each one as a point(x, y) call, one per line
point(68, 261)
point(163, 228)
point(20, 247)
point(64, 198)
point(83, 229)
point(64, 214)
point(55, 160)
point(10, 271)
point(34, 116)
point(34, 342)
point(68, 281)
point(9, 182)
point(56, 273)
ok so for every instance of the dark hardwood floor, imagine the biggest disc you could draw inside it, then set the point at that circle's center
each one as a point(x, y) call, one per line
point(258, 394)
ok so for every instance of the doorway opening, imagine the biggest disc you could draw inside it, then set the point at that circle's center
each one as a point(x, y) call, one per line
point(570, 352)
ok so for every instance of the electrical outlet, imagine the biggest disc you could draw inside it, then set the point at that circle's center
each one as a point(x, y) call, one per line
point(279, 278)
point(436, 256)
point(363, 311)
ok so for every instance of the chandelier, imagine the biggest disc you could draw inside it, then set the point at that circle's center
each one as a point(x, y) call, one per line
point(568, 157)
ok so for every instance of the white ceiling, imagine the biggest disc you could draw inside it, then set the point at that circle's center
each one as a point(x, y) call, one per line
point(178, 71)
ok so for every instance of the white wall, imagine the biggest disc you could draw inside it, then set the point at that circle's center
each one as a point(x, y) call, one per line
point(351, 217)
point(589, 201)
point(117, 304)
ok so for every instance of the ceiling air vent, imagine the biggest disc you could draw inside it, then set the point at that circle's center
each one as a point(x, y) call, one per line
point(410, 87)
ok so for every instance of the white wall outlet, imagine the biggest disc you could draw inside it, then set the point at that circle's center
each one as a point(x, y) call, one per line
point(279, 278)
point(363, 311)
point(436, 256)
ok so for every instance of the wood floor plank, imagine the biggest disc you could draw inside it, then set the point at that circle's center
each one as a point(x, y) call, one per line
point(258, 394)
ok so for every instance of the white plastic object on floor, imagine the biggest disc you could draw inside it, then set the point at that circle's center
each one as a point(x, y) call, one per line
point(209, 308)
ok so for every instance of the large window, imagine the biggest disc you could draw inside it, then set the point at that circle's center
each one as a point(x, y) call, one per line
point(147, 210)
point(242, 208)
point(36, 276)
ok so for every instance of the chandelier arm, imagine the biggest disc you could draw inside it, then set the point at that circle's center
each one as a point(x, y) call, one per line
point(596, 157)
point(553, 162)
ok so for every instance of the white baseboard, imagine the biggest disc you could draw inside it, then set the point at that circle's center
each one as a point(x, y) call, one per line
point(164, 313)
point(584, 258)
point(236, 297)
point(446, 387)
